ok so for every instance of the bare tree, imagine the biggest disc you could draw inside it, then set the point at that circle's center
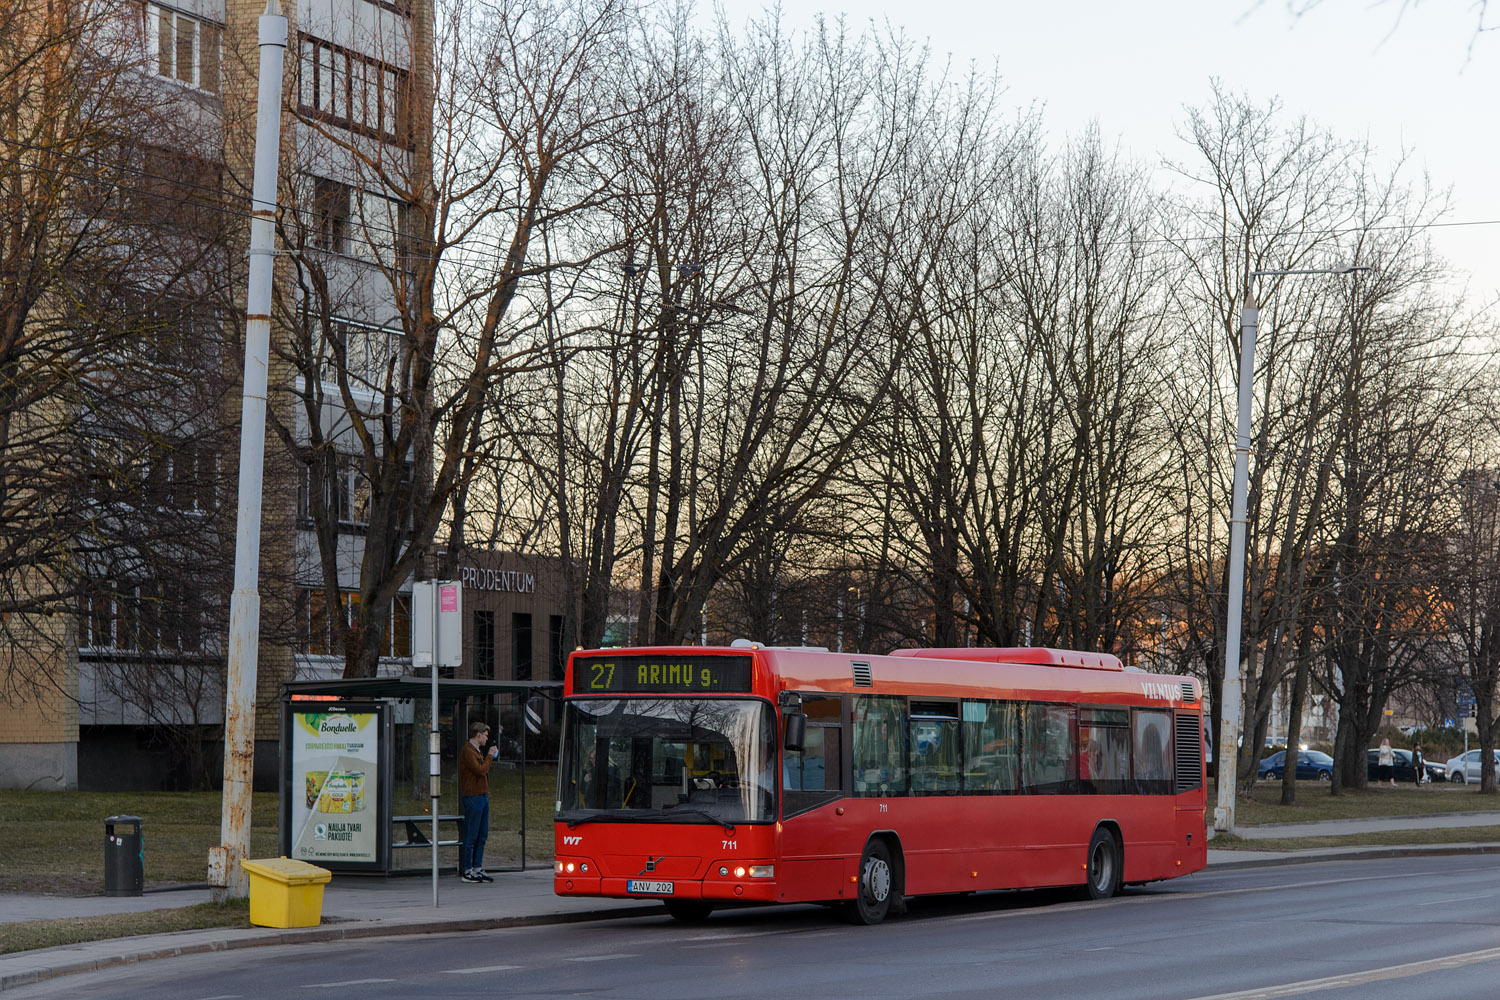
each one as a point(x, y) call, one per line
point(112, 328)
point(491, 143)
point(1263, 196)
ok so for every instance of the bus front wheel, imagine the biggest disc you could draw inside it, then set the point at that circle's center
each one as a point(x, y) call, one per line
point(689, 911)
point(1104, 865)
point(873, 899)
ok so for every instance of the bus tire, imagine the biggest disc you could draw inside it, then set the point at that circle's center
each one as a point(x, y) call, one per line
point(876, 885)
point(689, 911)
point(1103, 865)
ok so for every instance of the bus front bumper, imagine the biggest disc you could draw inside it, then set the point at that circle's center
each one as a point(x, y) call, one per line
point(728, 887)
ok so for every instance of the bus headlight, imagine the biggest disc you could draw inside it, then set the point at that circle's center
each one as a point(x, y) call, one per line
point(762, 871)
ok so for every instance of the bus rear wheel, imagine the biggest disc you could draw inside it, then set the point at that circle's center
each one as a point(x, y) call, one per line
point(1104, 865)
point(873, 897)
point(689, 911)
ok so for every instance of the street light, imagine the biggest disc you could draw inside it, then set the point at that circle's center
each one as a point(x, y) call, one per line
point(1229, 723)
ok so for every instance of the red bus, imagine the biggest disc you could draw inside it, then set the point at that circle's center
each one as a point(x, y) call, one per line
point(706, 776)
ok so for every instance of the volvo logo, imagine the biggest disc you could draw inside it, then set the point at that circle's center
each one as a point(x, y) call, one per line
point(650, 865)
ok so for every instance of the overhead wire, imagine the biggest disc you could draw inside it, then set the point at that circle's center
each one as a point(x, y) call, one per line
point(290, 217)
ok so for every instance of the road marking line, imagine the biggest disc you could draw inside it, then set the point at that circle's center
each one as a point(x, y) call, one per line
point(487, 968)
point(1459, 899)
point(347, 982)
point(599, 958)
point(1361, 978)
point(740, 934)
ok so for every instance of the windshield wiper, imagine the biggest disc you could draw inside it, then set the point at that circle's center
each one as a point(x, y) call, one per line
point(679, 811)
point(610, 816)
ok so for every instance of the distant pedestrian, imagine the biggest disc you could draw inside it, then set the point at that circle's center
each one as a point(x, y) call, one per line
point(474, 801)
point(1387, 761)
point(1418, 766)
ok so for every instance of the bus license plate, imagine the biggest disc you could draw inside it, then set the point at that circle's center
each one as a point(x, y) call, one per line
point(654, 888)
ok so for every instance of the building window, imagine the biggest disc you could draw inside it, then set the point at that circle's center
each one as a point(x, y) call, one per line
point(400, 632)
point(369, 352)
point(331, 213)
point(180, 475)
point(192, 474)
point(347, 494)
point(520, 647)
point(315, 623)
point(142, 618)
point(352, 91)
point(347, 220)
point(556, 655)
point(173, 189)
point(484, 645)
point(186, 49)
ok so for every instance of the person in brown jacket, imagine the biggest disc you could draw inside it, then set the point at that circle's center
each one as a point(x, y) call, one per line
point(474, 801)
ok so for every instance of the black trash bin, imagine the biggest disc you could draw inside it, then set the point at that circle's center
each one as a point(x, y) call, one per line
point(124, 861)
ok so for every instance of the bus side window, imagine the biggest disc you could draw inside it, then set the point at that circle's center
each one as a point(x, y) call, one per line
point(879, 745)
point(1152, 761)
point(1049, 764)
point(934, 748)
point(989, 742)
point(1104, 758)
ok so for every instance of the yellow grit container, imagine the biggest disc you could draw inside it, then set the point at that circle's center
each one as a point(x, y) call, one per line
point(286, 893)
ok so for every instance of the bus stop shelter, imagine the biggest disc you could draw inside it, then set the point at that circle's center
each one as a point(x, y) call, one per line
point(344, 803)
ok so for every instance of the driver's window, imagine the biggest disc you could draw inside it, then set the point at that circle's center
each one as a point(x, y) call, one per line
point(814, 775)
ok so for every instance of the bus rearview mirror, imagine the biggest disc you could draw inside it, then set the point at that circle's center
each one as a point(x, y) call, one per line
point(796, 730)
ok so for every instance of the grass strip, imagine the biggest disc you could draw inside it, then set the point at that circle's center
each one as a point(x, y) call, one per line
point(29, 935)
point(1315, 802)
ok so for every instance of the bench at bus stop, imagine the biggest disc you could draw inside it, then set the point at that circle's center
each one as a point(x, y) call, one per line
point(418, 830)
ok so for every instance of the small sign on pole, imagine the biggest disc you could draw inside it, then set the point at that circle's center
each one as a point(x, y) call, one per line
point(436, 641)
point(437, 623)
point(534, 716)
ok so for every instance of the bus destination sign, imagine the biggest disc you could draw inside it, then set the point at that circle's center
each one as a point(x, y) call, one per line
point(686, 674)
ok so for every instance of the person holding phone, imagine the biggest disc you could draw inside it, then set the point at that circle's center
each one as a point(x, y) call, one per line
point(474, 800)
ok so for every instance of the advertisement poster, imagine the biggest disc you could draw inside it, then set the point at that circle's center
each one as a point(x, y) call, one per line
point(335, 786)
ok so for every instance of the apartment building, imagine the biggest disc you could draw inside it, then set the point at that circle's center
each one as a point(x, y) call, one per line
point(135, 674)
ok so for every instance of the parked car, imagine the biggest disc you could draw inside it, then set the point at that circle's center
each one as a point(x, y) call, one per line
point(1310, 764)
point(1465, 767)
point(1402, 770)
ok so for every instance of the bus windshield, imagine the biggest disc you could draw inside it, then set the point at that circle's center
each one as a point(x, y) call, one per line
point(668, 760)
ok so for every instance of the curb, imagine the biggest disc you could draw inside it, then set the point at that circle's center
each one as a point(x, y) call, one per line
point(353, 930)
point(1356, 854)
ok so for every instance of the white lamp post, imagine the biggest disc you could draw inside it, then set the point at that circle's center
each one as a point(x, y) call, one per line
point(1229, 723)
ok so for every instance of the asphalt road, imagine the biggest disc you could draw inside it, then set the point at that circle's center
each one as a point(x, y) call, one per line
point(1407, 928)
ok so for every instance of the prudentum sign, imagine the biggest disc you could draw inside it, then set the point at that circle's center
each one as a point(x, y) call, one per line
point(507, 581)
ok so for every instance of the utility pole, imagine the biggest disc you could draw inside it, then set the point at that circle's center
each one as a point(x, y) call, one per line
point(1229, 714)
point(224, 871)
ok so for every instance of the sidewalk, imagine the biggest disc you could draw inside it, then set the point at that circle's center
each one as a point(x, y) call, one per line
point(357, 906)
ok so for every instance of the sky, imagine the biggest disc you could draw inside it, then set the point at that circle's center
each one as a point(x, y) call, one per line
point(1406, 75)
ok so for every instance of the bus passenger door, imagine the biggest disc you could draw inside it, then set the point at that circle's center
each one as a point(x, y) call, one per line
point(813, 832)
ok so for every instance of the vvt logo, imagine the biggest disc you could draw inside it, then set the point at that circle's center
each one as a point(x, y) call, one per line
point(571, 841)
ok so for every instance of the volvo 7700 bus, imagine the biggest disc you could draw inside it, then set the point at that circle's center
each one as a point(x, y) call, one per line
point(709, 776)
